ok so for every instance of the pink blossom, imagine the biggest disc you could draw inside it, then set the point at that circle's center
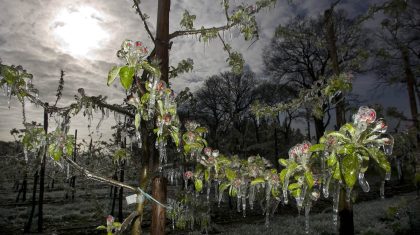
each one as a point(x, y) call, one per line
point(207, 151)
point(188, 175)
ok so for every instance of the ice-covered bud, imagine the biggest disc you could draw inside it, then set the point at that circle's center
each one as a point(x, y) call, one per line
point(126, 45)
point(160, 86)
point(237, 182)
point(207, 151)
point(364, 115)
point(380, 126)
point(305, 147)
point(190, 136)
point(211, 161)
point(188, 175)
point(315, 195)
point(215, 153)
point(167, 118)
point(131, 99)
point(109, 220)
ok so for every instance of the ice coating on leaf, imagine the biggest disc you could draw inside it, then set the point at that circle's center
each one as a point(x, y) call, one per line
point(363, 183)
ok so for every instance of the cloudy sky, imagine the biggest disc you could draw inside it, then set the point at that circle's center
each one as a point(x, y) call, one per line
point(82, 37)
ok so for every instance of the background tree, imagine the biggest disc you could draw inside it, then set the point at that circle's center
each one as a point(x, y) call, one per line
point(397, 53)
point(298, 54)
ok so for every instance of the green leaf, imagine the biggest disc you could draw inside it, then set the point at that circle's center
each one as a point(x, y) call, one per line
point(232, 191)
point(331, 160)
point(309, 179)
point(283, 162)
point(350, 169)
point(294, 186)
point(337, 173)
point(317, 147)
point(116, 224)
point(151, 69)
point(295, 193)
point(198, 183)
point(127, 76)
point(223, 186)
point(349, 128)
point(230, 174)
point(207, 174)
point(137, 120)
point(102, 227)
point(113, 73)
point(282, 175)
point(257, 180)
point(175, 137)
point(380, 158)
point(339, 136)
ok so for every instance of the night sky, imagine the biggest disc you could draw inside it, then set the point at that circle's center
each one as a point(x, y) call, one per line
point(82, 37)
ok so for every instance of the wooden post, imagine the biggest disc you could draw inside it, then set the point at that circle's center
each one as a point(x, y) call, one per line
point(42, 175)
point(28, 224)
point(158, 212)
point(73, 178)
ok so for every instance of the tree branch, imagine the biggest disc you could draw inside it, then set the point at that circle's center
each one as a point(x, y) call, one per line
point(93, 176)
point(143, 18)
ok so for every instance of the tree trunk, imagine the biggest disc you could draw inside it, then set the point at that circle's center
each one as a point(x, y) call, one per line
point(162, 54)
point(332, 49)
point(162, 38)
point(409, 77)
point(345, 212)
point(319, 127)
point(158, 212)
point(42, 177)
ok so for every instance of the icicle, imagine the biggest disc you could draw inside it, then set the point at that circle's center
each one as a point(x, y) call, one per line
point(348, 194)
point(276, 204)
point(25, 152)
point(220, 198)
point(116, 117)
point(186, 184)
point(208, 191)
point(326, 184)
point(307, 210)
point(251, 198)
point(100, 121)
point(243, 205)
point(388, 176)
point(285, 186)
point(382, 190)
point(162, 155)
point(107, 113)
point(363, 183)
point(152, 98)
point(138, 138)
point(68, 171)
point(301, 198)
point(258, 119)
point(336, 199)
point(216, 189)
point(238, 203)
point(267, 205)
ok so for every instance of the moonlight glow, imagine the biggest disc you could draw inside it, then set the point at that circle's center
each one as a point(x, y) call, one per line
point(78, 30)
